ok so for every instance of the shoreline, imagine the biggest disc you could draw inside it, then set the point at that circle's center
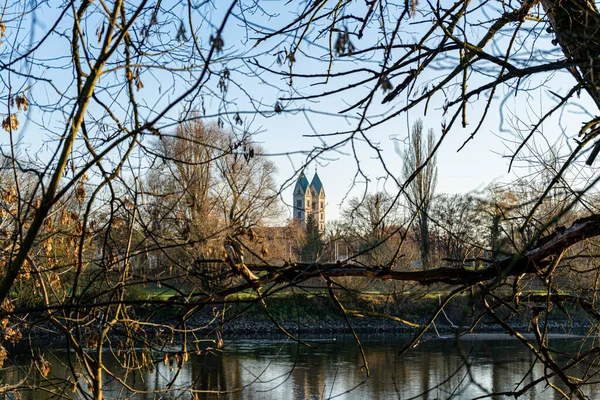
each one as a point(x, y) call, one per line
point(304, 314)
point(371, 326)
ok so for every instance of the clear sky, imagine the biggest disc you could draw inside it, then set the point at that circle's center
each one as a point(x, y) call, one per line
point(482, 162)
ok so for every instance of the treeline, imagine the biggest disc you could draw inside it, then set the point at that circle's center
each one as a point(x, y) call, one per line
point(472, 230)
point(204, 186)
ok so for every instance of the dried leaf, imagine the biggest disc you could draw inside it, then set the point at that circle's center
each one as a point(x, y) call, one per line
point(238, 119)
point(217, 42)
point(22, 103)
point(7, 305)
point(2, 30)
point(80, 192)
point(386, 85)
point(181, 36)
point(292, 58)
point(343, 45)
point(3, 355)
point(138, 84)
point(43, 366)
point(413, 7)
point(10, 123)
point(278, 108)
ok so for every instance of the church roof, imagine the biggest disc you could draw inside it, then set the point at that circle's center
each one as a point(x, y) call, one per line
point(316, 183)
point(302, 182)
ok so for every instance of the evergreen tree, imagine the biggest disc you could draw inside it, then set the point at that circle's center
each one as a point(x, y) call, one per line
point(313, 243)
point(420, 166)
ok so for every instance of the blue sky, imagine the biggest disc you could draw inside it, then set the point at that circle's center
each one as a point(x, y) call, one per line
point(287, 136)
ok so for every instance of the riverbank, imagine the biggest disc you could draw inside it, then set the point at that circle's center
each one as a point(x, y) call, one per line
point(317, 313)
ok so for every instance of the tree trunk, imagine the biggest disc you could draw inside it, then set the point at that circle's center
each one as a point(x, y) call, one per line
point(576, 24)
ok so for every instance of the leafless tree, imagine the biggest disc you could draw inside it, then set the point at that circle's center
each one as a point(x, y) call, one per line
point(369, 223)
point(180, 205)
point(245, 190)
point(458, 229)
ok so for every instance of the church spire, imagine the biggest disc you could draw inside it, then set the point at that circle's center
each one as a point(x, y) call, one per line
point(316, 184)
point(301, 183)
point(309, 199)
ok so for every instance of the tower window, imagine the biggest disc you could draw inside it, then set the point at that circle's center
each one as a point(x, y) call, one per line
point(299, 203)
point(321, 204)
point(298, 215)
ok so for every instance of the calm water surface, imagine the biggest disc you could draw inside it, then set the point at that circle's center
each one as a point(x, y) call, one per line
point(280, 369)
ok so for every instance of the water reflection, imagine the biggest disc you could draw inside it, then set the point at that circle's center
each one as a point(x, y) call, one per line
point(278, 369)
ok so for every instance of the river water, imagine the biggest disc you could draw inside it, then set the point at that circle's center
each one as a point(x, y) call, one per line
point(280, 369)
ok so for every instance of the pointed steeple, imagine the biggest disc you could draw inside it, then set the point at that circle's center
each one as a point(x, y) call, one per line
point(316, 183)
point(301, 183)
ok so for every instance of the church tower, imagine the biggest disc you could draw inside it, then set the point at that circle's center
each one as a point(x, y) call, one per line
point(318, 201)
point(301, 199)
point(309, 199)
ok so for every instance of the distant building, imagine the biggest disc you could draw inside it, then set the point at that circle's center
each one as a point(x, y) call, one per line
point(309, 199)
